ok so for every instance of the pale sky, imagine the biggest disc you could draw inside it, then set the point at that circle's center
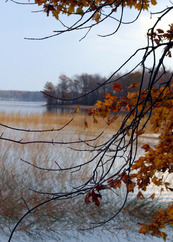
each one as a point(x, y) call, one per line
point(28, 65)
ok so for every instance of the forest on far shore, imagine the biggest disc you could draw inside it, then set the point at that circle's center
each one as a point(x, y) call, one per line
point(79, 85)
point(27, 96)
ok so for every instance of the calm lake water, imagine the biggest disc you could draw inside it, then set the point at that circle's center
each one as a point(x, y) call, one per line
point(29, 107)
point(22, 107)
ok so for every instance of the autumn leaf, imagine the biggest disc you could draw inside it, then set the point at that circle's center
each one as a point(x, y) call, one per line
point(144, 229)
point(152, 196)
point(77, 110)
point(140, 196)
point(140, 132)
point(95, 197)
point(96, 17)
point(153, 2)
point(134, 85)
point(87, 198)
point(101, 187)
point(95, 120)
point(160, 31)
point(124, 177)
point(79, 11)
point(116, 87)
point(85, 124)
point(55, 13)
point(146, 147)
point(131, 186)
point(127, 132)
point(91, 111)
point(114, 183)
point(164, 235)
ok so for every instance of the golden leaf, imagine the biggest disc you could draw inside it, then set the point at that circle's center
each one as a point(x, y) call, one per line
point(79, 11)
point(153, 2)
point(152, 196)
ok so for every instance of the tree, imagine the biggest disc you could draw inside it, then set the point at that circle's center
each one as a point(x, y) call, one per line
point(156, 104)
point(49, 89)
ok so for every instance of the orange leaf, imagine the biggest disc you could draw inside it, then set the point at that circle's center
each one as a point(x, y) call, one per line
point(114, 183)
point(140, 196)
point(124, 177)
point(146, 147)
point(141, 131)
point(133, 85)
point(153, 2)
point(152, 196)
point(131, 186)
point(144, 229)
point(107, 95)
point(116, 87)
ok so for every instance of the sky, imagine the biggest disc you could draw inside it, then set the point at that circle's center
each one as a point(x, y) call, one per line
point(28, 65)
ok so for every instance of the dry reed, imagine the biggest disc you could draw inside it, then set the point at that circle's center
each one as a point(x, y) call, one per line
point(17, 177)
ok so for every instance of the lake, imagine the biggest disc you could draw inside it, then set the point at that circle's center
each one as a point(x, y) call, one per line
point(31, 107)
point(22, 107)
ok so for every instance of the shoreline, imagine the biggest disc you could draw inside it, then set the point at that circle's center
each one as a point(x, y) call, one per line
point(72, 106)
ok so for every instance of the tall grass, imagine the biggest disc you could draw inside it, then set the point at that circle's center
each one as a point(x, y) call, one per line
point(18, 178)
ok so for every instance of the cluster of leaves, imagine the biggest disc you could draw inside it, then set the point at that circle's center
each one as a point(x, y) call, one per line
point(159, 36)
point(81, 7)
point(150, 168)
point(163, 217)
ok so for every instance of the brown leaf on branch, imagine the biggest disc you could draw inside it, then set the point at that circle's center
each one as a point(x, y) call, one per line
point(95, 197)
point(140, 132)
point(114, 183)
point(87, 198)
point(146, 147)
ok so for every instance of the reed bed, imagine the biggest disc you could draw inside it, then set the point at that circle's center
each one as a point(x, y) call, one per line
point(17, 179)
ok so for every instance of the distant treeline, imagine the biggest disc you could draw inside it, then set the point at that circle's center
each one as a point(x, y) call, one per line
point(72, 88)
point(21, 96)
